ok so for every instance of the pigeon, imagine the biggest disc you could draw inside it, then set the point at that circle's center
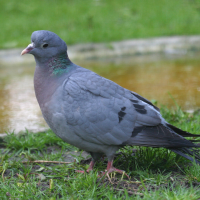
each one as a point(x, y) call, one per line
point(96, 114)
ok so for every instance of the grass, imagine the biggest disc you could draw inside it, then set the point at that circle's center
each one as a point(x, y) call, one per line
point(156, 173)
point(97, 20)
point(29, 141)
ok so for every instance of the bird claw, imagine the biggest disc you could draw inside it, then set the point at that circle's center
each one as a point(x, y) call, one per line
point(82, 171)
point(109, 170)
point(113, 169)
point(88, 170)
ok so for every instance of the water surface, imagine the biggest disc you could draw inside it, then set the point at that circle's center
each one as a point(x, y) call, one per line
point(154, 77)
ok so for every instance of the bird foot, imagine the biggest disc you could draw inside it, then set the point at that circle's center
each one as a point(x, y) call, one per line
point(88, 170)
point(113, 169)
point(81, 171)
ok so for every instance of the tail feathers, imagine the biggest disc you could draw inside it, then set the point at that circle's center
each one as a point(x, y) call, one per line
point(188, 153)
point(167, 136)
point(181, 132)
point(158, 136)
point(195, 141)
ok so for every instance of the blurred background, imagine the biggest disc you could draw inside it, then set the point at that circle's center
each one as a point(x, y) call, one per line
point(168, 78)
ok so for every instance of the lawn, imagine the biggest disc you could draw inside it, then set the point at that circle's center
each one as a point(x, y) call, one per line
point(155, 173)
point(97, 20)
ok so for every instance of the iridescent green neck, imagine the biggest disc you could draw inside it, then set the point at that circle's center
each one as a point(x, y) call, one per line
point(59, 65)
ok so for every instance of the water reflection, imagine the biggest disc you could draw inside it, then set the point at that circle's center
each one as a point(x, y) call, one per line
point(19, 109)
point(159, 79)
point(151, 77)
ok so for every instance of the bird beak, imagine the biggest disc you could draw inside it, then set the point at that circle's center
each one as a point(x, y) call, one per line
point(28, 49)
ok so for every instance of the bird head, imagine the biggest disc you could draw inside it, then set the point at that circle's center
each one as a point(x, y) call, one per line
point(45, 45)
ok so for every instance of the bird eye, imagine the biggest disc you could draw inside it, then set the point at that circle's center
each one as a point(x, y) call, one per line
point(45, 45)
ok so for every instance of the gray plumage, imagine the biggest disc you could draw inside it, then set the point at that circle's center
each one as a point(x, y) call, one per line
point(94, 113)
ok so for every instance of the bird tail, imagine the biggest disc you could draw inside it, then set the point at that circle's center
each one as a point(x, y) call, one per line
point(188, 153)
point(160, 136)
point(167, 136)
point(181, 132)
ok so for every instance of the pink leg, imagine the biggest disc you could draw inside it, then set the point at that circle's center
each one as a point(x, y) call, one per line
point(111, 169)
point(90, 168)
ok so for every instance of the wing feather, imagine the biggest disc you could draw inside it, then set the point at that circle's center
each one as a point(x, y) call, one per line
point(103, 110)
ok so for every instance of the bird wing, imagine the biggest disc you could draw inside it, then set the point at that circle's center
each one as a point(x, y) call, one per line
point(103, 112)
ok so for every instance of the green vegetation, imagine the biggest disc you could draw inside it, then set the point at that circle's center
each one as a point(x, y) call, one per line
point(97, 20)
point(155, 173)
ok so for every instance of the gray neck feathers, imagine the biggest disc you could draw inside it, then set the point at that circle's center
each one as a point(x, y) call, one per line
point(49, 76)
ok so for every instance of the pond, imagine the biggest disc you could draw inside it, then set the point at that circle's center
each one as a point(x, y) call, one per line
point(166, 79)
